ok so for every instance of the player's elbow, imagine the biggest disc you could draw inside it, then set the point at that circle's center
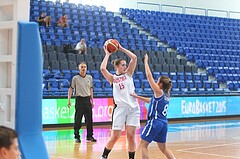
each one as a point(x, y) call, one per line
point(134, 57)
point(103, 70)
point(148, 100)
point(70, 89)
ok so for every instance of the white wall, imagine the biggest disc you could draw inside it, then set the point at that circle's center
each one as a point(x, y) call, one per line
point(23, 8)
point(230, 7)
point(209, 5)
point(11, 11)
point(221, 8)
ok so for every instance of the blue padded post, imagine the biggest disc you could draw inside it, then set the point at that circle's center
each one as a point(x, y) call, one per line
point(29, 92)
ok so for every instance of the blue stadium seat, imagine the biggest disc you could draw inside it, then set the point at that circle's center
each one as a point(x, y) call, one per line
point(181, 84)
point(138, 91)
point(147, 91)
point(63, 84)
point(107, 90)
point(97, 83)
point(174, 84)
point(97, 90)
point(96, 74)
point(173, 76)
point(190, 84)
point(106, 84)
point(140, 75)
point(53, 83)
point(156, 75)
point(188, 76)
point(145, 83)
point(207, 84)
point(137, 83)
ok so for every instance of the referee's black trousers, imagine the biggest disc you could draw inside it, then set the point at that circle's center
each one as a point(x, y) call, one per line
point(83, 106)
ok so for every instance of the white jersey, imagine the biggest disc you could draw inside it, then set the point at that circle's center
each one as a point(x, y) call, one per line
point(123, 87)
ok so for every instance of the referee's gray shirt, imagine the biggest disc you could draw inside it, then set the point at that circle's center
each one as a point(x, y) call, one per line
point(82, 85)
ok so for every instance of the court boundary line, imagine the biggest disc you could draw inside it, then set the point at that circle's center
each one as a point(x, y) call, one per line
point(60, 157)
point(204, 147)
point(236, 143)
point(209, 154)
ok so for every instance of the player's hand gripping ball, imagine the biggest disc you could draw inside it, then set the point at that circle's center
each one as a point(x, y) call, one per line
point(112, 45)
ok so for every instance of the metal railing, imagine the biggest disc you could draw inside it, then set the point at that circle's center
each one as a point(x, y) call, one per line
point(187, 10)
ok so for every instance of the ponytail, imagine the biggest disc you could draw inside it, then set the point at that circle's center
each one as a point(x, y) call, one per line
point(166, 84)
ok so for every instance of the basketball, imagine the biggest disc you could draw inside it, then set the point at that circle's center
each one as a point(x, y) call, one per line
point(112, 45)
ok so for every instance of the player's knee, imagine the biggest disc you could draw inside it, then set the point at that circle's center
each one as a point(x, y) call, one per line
point(115, 137)
point(143, 145)
point(130, 135)
point(162, 148)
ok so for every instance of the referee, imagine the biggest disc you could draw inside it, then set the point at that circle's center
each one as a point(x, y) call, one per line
point(83, 90)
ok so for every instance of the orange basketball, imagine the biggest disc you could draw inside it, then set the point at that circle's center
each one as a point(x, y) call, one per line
point(112, 45)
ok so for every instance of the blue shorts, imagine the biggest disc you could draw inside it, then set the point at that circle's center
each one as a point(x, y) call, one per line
point(155, 130)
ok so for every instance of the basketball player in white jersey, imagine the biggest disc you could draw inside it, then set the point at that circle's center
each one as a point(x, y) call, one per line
point(157, 124)
point(127, 109)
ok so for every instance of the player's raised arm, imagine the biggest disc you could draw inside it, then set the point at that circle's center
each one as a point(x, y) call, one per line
point(154, 86)
point(103, 67)
point(133, 61)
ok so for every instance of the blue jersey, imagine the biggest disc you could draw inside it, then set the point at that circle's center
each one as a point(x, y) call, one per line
point(158, 107)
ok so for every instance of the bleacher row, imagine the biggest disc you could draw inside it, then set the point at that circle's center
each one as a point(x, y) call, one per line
point(61, 66)
point(212, 43)
point(183, 83)
point(183, 66)
point(159, 61)
point(93, 23)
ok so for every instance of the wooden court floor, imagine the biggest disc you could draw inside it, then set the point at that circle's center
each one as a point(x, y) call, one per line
point(195, 140)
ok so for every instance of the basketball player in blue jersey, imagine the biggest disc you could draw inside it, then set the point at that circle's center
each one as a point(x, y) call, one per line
point(157, 124)
point(127, 110)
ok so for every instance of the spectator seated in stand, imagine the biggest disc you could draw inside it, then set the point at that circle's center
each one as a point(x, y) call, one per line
point(44, 20)
point(81, 47)
point(63, 21)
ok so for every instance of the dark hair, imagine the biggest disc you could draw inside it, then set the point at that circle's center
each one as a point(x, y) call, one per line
point(7, 135)
point(166, 84)
point(116, 62)
point(82, 62)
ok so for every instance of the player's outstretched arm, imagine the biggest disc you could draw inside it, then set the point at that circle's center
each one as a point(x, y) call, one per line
point(155, 87)
point(145, 99)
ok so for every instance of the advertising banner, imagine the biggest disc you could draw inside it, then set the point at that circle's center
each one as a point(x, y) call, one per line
point(55, 111)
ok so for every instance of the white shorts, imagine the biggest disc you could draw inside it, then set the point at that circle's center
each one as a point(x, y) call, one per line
point(125, 115)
